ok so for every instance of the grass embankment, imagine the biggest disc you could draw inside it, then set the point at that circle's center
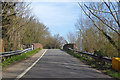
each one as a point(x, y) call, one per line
point(16, 58)
point(106, 68)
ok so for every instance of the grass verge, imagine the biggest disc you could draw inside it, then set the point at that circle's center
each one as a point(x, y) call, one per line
point(16, 58)
point(106, 69)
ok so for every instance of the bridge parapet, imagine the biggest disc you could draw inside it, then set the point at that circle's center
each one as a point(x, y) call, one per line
point(67, 46)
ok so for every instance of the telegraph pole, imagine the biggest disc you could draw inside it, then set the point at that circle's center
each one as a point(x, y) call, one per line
point(81, 31)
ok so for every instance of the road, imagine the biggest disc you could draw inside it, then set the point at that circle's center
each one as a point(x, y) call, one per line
point(56, 63)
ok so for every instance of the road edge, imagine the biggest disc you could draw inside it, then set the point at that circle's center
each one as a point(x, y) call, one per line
point(23, 73)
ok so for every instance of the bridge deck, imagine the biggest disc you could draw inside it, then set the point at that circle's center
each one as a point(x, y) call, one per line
point(58, 64)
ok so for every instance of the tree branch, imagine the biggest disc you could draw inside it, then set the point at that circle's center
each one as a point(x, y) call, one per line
point(112, 14)
point(108, 37)
point(102, 21)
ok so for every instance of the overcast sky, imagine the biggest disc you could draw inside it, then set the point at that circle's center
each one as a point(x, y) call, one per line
point(60, 17)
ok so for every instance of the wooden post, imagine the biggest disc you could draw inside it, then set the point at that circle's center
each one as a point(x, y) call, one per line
point(1, 45)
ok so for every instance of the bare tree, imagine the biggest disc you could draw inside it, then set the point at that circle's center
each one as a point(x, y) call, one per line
point(71, 37)
point(111, 22)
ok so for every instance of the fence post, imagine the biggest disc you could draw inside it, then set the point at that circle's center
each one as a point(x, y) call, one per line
point(32, 46)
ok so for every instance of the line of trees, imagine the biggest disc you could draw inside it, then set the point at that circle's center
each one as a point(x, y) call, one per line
point(20, 27)
point(98, 29)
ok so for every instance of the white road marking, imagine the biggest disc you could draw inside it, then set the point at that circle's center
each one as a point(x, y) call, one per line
point(22, 74)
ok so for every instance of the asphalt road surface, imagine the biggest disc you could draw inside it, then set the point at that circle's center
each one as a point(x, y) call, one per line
point(56, 63)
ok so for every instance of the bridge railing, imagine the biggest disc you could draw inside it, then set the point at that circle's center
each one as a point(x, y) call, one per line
point(106, 59)
point(8, 54)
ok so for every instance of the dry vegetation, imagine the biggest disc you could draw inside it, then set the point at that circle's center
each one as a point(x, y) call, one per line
point(20, 27)
point(98, 28)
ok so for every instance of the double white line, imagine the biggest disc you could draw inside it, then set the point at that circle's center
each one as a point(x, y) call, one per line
point(22, 74)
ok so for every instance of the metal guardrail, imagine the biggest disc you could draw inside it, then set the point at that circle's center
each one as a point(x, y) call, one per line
point(106, 59)
point(11, 53)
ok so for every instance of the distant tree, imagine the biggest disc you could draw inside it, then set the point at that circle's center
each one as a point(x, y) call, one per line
point(71, 37)
point(55, 42)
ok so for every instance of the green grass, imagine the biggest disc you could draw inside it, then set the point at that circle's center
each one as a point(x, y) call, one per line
point(113, 73)
point(107, 69)
point(16, 58)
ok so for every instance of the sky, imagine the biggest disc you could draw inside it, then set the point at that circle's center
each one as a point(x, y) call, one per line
point(60, 17)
